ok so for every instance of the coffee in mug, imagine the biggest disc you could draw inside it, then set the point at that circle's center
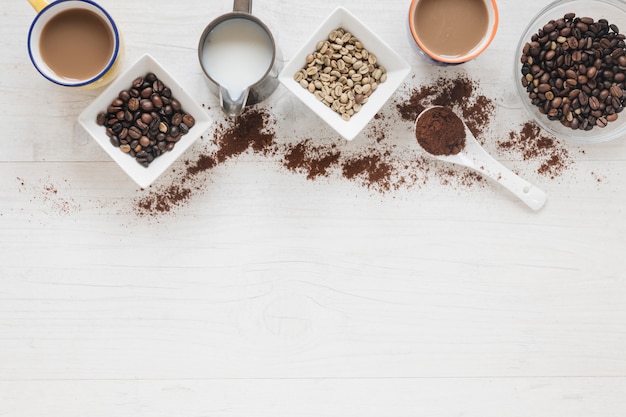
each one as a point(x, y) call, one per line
point(75, 43)
point(453, 31)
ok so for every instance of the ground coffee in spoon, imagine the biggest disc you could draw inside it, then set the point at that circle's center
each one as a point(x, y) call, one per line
point(440, 132)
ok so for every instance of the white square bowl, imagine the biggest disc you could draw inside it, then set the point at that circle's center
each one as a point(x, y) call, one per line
point(144, 176)
point(397, 70)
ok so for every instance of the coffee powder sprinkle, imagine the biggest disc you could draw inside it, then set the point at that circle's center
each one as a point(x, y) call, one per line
point(375, 171)
point(165, 200)
point(533, 145)
point(313, 161)
point(251, 130)
point(379, 165)
point(378, 162)
point(458, 93)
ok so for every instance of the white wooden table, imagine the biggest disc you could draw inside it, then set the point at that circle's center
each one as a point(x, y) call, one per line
point(269, 294)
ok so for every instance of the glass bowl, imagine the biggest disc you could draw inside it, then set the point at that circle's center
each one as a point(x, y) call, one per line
point(614, 11)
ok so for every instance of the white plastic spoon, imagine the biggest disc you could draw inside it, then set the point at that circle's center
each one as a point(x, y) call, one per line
point(474, 156)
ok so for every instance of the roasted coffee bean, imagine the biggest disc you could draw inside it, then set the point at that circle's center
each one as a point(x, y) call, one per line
point(134, 132)
point(189, 120)
point(133, 104)
point(142, 126)
point(177, 118)
point(157, 86)
point(146, 105)
point(101, 118)
point(146, 118)
point(117, 128)
point(124, 95)
point(113, 109)
point(583, 98)
point(146, 92)
point(157, 101)
point(137, 82)
point(154, 124)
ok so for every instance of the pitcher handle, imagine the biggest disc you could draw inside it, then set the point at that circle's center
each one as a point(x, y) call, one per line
point(243, 6)
point(233, 107)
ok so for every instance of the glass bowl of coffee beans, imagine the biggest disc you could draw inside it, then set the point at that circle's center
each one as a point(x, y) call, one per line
point(145, 120)
point(570, 69)
point(344, 73)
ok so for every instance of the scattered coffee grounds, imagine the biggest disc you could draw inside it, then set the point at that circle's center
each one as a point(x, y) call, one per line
point(440, 132)
point(371, 169)
point(458, 94)
point(252, 130)
point(164, 200)
point(203, 163)
point(379, 162)
point(477, 111)
point(378, 130)
point(382, 164)
point(533, 145)
point(314, 161)
point(44, 191)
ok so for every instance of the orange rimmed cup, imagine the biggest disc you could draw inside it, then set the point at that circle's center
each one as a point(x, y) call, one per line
point(453, 31)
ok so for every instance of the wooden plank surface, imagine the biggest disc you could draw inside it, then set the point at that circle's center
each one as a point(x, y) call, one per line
point(268, 293)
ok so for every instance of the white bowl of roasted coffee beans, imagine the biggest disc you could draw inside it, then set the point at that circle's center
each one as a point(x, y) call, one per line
point(145, 120)
point(344, 73)
point(570, 69)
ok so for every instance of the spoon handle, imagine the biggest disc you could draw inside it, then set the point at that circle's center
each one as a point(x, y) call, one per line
point(524, 190)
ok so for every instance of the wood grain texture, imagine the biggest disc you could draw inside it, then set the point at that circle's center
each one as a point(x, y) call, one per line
point(270, 294)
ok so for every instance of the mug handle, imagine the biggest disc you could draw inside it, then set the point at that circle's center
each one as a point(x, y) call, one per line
point(39, 5)
point(243, 6)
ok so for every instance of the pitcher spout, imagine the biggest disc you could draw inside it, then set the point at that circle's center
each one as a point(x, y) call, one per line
point(233, 107)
